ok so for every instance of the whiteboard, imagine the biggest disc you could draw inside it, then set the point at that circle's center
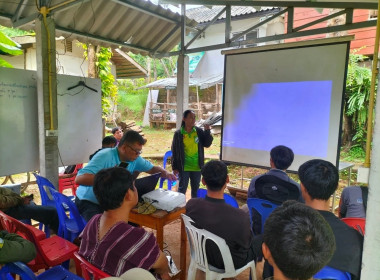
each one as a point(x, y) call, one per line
point(79, 120)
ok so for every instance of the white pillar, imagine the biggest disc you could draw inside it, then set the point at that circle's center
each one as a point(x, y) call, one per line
point(182, 87)
point(371, 253)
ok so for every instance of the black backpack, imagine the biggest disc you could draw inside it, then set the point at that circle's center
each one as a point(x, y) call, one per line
point(276, 190)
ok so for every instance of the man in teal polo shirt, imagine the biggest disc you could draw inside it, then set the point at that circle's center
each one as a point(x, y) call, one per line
point(127, 155)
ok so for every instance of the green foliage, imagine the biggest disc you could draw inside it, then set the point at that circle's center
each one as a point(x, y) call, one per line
point(354, 154)
point(8, 47)
point(168, 62)
point(132, 98)
point(358, 86)
point(14, 32)
point(109, 89)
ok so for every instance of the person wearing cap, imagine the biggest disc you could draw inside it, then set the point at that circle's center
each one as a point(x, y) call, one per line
point(127, 155)
point(108, 241)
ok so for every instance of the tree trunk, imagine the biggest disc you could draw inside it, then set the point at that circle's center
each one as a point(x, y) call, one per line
point(155, 69)
point(165, 68)
point(148, 61)
point(347, 131)
point(91, 56)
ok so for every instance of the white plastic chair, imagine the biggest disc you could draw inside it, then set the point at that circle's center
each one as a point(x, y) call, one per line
point(197, 240)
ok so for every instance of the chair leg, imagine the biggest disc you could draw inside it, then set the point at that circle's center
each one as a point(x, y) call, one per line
point(191, 272)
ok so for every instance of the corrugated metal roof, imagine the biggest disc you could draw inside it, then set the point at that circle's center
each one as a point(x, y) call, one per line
point(137, 26)
point(204, 14)
point(202, 83)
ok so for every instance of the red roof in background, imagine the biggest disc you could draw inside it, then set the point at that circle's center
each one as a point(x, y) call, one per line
point(364, 38)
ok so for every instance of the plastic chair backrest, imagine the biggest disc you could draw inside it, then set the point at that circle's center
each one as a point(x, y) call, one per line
point(197, 240)
point(45, 187)
point(229, 199)
point(14, 226)
point(69, 227)
point(89, 271)
point(356, 223)
point(18, 268)
point(263, 207)
point(167, 155)
point(332, 273)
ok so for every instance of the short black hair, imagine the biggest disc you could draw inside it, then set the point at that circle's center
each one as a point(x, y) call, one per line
point(282, 157)
point(115, 129)
point(185, 114)
point(300, 240)
point(108, 140)
point(215, 174)
point(319, 177)
point(131, 137)
point(111, 185)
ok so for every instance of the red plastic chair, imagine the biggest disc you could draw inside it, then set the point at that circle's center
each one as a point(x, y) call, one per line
point(87, 270)
point(67, 181)
point(51, 251)
point(356, 223)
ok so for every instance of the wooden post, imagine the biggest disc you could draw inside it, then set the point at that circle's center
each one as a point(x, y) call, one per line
point(47, 97)
point(198, 105)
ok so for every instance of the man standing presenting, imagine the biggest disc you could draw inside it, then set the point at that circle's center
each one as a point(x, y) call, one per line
point(319, 180)
point(127, 155)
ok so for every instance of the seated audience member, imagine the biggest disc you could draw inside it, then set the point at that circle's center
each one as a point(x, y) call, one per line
point(22, 208)
point(353, 202)
point(107, 142)
point(14, 248)
point(298, 242)
point(108, 241)
point(117, 133)
point(281, 157)
point(319, 180)
point(126, 155)
point(212, 213)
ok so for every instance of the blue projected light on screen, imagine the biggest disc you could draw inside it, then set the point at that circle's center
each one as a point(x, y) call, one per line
point(294, 114)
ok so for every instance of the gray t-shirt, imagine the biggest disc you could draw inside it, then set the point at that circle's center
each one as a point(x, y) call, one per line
point(351, 203)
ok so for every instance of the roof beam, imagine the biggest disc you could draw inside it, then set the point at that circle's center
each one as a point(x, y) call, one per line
point(17, 22)
point(329, 29)
point(258, 25)
point(320, 20)
point(265, 3)
point(19, 10)
point(115, 43)
point(174, 29)
point(205, 27)
point(132, 61)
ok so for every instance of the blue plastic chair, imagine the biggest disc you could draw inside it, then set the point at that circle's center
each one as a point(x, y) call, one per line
point(228, 198)
point(167, 155)
point(332, 273)
point(45, 187)
point(18, 268)
point(263, 207)
point(69, 227)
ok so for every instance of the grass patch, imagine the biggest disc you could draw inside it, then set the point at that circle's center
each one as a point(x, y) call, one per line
point(131, 106)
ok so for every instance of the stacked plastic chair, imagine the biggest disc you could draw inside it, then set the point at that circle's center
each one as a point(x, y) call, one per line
point(69, 226)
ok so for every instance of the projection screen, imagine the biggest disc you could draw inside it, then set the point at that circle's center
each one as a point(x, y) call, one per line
point(289, 94)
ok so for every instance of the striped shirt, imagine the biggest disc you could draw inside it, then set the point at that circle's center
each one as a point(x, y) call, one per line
point(123, 247)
